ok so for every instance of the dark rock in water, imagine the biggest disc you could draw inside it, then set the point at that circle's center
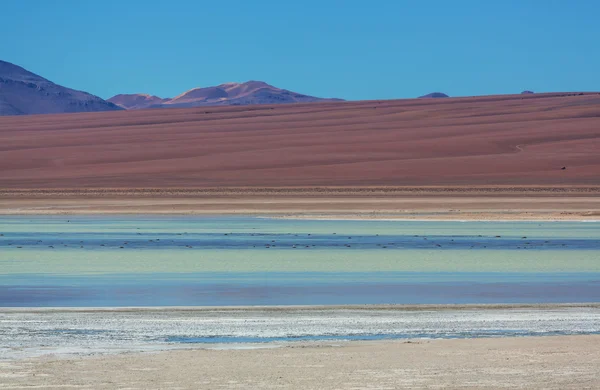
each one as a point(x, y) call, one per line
point(526, 92)
point(434, 95)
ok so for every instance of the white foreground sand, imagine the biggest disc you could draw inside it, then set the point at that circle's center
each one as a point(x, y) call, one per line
point(530, 363)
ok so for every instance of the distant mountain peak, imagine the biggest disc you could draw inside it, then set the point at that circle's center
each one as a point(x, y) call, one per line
point(256, 84)
point(230, 93)
point(23, 92)
point(130, 101)
point(434, 95)
point(526, 92)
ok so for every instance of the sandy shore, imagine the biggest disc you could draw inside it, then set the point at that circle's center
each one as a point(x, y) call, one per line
point(436, 203)
point(531, 362)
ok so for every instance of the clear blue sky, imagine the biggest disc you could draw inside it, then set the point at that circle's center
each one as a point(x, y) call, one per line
point(348, 49)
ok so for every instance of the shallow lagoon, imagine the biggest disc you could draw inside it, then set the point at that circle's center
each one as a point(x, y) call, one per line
point(94, 261)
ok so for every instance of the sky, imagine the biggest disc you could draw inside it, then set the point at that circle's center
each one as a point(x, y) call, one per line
point(348, 49)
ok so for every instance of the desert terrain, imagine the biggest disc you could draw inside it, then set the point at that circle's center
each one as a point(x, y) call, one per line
point(416, 203)
point(398, 157)
point(516, 362)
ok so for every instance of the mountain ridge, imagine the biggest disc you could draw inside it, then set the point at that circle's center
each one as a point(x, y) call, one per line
point(246, 93)
point(23, 93)
point(434, 95)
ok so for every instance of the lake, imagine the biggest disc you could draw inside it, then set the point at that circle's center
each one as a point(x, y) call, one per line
point(95, 284)
point(141, 261)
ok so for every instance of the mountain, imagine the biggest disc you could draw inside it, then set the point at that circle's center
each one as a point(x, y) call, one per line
point(250, 92)
point(526, 92)
point(434, 95)
point(136, 100)
point(23, 93)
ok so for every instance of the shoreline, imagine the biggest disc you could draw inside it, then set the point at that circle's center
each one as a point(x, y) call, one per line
point(64, 332)
point(301, 215)
point(276, 308)
point(448, 218)
point(331, 203)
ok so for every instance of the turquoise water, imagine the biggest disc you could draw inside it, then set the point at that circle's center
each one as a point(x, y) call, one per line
point(89, 261)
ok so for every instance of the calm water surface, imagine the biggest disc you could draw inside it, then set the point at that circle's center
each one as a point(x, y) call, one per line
point(94, 261)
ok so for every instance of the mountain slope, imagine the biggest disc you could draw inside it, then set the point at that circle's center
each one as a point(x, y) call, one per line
point(134, 101)
point(434, 95)
point(23, 92)
point(250, 92)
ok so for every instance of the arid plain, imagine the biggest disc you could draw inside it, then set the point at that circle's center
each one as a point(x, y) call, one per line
point(499, 157)
point(509, 156)
point(531, 362)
